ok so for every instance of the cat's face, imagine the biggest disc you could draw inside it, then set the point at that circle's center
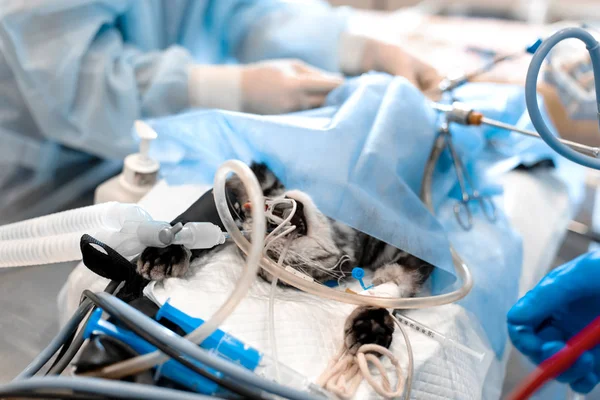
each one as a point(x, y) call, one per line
point(319, 247)
point(314, 247)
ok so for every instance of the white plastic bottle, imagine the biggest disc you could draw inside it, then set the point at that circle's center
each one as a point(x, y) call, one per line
point(139, 174)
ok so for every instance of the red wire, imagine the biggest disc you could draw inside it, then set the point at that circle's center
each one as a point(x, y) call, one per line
point(587, 338)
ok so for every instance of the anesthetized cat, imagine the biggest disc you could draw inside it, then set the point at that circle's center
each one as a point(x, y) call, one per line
point(320, 247)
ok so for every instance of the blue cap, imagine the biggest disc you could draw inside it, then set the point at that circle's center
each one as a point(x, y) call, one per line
point(534, 46)
point(358, 273)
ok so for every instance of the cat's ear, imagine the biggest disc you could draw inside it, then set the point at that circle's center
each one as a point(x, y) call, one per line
point(269, 183)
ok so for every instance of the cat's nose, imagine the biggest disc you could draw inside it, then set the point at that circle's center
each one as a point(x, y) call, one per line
point(299, 219)
point(283, 210)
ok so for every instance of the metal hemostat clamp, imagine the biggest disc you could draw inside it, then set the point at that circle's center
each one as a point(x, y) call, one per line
point(462, 210)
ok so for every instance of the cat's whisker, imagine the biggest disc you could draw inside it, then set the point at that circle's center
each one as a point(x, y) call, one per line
point(307, 263)
point(310, 262)
point(329, 249)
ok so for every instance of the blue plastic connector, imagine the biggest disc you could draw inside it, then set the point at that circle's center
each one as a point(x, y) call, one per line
point(171, 369)
point(358, 274)
point(219, 342)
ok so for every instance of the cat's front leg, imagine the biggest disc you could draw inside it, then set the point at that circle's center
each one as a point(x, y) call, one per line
point(409, 280)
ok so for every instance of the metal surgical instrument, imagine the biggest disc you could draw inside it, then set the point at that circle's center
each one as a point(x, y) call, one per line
point(469, 193)
point(462, 114)
point(451, 82)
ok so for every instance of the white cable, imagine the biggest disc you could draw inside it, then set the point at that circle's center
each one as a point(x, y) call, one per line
point(272, 337)
point(270, 239)
point(345, 372)
point(409, 351)
point(282, 222)
point(272, 340)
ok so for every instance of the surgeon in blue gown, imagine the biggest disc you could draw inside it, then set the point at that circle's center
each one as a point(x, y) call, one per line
point(74, 75)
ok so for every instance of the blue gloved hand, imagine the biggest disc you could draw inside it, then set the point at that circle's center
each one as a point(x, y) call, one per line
point(561, 304)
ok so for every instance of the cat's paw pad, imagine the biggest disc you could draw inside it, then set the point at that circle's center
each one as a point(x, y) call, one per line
point(160, 263)
point(368, 325)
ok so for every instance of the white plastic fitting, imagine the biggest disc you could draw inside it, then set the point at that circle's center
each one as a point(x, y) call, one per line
point(199, 235)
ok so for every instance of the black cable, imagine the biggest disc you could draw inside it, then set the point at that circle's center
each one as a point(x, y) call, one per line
point(234, 387)
point(50, 350)
point(70, 339)
point(65, 357)
point(60, 364)
point(63, 350)
point(62, 339)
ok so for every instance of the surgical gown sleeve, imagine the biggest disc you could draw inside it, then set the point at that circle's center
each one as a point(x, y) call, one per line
point(83, 85)
point(259, 30)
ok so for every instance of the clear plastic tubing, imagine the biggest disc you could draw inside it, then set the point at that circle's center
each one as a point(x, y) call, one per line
point(326, 292)
point(55, 238)
point(101, 216)
point(40, 250)
point(254, 252)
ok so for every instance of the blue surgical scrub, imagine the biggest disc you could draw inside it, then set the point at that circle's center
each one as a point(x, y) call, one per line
point(79, 72)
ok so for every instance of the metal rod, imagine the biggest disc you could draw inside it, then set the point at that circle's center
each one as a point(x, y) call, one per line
point(460, 172)
point(441, 107)
point(491, 64)
point(452, 82)
point(582, 148)
point(457, 114)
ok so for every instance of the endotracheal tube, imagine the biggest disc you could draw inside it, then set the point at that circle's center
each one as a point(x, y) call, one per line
point(127, 228)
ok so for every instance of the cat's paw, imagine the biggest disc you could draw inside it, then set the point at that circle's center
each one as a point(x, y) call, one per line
point(409, 280)
point(160, 263)
point(368, 325)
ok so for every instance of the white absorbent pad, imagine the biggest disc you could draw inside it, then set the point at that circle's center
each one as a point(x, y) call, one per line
point(309, 329)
